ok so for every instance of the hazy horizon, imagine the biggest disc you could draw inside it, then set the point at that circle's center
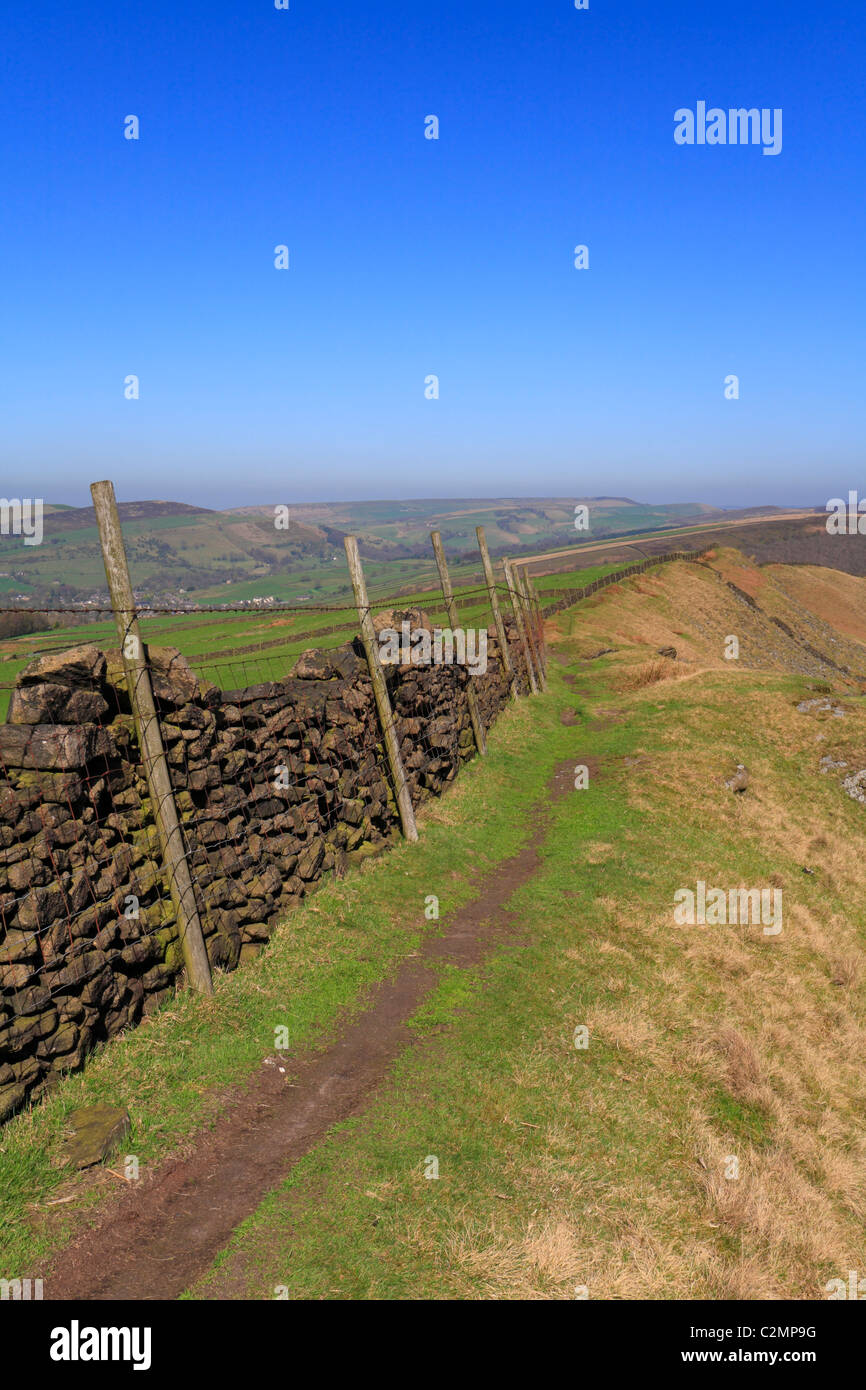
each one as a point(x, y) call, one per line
point(195, 499)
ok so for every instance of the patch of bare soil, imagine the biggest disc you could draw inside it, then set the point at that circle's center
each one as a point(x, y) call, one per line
point(605, 717)
point(157, 1238)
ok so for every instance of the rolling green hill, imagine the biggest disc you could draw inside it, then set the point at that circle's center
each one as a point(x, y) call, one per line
point(180, 553)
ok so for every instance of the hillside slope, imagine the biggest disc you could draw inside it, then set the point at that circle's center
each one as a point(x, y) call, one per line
point(708, 1142)
point(803, 620)
point(173, 549)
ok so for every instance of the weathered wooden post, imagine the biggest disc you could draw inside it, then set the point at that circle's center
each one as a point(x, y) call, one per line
point(540, 607)
point(504, 653)
point(380, 691)
point(528, 614)
point(523, 591)
point(538, 623)
point(517, 609)
point(150, 739)
point(532, 606)
point(451, 610)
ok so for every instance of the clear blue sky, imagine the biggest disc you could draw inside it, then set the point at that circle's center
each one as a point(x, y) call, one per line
point(411, 256)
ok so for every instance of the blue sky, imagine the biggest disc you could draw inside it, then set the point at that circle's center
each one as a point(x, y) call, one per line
point(410, 257)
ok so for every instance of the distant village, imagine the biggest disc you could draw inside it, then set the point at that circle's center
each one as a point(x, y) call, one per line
point(99, 600)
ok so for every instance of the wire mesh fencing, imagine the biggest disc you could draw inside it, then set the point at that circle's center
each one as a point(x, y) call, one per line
point(566, 598)
point(277, 777)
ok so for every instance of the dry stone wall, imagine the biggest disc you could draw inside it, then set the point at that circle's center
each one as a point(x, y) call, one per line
point(276, 785)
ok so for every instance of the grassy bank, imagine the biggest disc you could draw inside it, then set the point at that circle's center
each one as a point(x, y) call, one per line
point(712, 1051)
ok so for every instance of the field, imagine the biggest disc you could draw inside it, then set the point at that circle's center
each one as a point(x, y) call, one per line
point(216, 644)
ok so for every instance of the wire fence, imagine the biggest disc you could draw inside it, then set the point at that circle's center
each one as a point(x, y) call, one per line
point(565, 598)
point(276, 776)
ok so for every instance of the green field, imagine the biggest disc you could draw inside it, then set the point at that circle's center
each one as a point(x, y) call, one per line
point(212, 641)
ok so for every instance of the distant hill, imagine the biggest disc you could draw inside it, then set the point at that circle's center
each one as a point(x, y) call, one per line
point(179, 552)
point(174, 550)
point(400, 529)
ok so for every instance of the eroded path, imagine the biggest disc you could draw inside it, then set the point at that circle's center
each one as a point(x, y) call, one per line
point(157, 1238)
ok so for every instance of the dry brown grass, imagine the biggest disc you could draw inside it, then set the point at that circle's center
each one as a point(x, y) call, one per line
point(708, 1045)
point(846, 972)
point(839, 599)
point(687, 607)
point(649, 673)
point(783, 1048)
point(741, 1059)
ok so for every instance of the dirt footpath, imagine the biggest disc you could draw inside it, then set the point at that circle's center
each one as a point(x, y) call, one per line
point(157, 1238)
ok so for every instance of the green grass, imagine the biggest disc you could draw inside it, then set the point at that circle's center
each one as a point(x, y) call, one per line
point(314, 970)
point(558, 1167)
point(457, 990)
point(746, 1124)
point(212, 641)
point(531, 1134)
point(458, 1100)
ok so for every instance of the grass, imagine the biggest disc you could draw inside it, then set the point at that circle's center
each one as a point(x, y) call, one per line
point(457, 990)
point(607, 1168)
point(647, 673)
point(559, 1168)
point(173, 1072)
point(215, 643)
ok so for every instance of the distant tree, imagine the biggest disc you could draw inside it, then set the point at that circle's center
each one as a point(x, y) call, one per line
point(15, 624)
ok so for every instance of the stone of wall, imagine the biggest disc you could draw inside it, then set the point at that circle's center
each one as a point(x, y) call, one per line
point(276, 785)
point(77, 840)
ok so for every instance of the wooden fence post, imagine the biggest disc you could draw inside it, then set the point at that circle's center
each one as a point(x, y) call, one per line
point(540, 606)
point(150, 739)
point(451, 610)
point(539, 618)
point(504, 653)
point(523, 591)
point(537, 627)
point(517, 607)
point(380, 691)
point(523, 584)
